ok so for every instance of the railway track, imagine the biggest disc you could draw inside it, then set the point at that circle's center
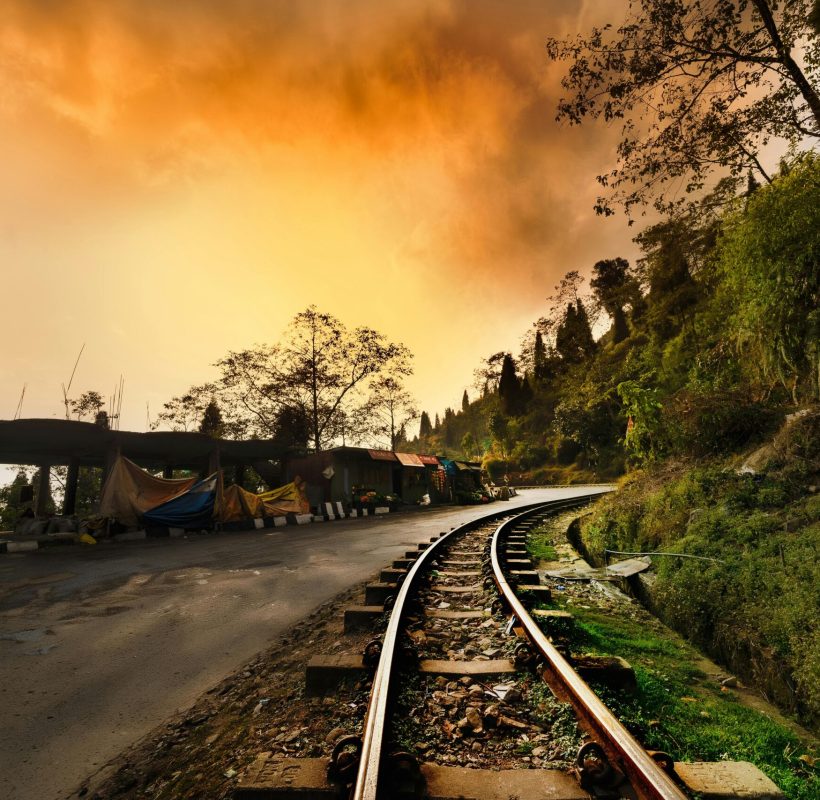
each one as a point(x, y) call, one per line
point(475, 577)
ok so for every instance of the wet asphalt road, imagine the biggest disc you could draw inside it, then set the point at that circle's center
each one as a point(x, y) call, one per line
point(98, 645)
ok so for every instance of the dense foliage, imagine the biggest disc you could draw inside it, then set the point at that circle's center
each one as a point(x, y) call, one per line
point(715, 335)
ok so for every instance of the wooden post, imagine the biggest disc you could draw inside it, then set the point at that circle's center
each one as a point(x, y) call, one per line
point(213, 460)
point(72, 479)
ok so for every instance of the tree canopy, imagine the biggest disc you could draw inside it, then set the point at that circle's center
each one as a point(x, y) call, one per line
point(696, 85)
point(313, 376)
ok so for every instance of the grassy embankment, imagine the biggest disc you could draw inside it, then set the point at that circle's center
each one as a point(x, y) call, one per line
point(677, 707)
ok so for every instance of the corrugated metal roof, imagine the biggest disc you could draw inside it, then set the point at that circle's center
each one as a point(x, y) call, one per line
point(381, 455)
point(410, 460)
point(431, 461)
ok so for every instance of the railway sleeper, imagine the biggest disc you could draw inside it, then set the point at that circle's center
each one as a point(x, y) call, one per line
point(271, 778)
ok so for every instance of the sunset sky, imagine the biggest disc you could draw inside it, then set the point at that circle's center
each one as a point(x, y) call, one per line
point(180, 179)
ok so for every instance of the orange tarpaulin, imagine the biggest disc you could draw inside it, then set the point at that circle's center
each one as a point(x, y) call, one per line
point(239, 504)
point(130, 491)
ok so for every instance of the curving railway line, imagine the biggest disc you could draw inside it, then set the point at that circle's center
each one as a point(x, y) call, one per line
point(474, 565)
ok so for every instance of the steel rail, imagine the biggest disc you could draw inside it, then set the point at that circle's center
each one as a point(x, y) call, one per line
point(367, 779)
point(646, 775)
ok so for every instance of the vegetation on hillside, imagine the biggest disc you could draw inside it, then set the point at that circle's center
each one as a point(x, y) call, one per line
point(714, 335)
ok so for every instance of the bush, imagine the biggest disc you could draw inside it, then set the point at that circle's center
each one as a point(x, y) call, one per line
point(716, 423)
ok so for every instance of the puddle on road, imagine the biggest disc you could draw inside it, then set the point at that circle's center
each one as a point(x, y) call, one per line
point(30, 635)
point(42, 651)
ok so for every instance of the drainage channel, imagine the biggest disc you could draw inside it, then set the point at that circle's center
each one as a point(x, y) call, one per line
point(469, 698)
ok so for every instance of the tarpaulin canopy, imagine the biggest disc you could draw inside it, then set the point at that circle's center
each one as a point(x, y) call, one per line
point(130, 491)
point(382, 455)
point(409, 460)
point(237, 503)
point(193, 509)
point(449, 466)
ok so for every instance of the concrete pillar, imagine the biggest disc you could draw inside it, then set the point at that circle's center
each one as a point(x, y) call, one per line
point(43, 490)
point(71, 481)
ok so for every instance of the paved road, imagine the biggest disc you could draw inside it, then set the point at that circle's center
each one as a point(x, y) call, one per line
point(99, 645)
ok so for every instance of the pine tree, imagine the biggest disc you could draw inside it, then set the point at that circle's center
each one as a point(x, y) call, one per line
point(212, 424)
point(425, 426)
point(465, 402)
point(573, 340)
point(539, 358)
point(509, 389)
point(437, 425)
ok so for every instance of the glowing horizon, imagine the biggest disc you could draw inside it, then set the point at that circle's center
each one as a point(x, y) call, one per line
point(181, 181)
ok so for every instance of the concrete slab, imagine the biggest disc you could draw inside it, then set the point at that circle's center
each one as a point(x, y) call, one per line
point(280, 522)
point(498, 666)
point(542, 594)
point(612, 671)
point(391, 575)
point(375, 594)
point(361, 618)
point(327, 672)
point(285, 779)
point(631, 566)
point(446, 573)
point(269, 778)
point(460, 563)
point(455, 589)
point(403, 563)
point(529, 575)
point(545, 613)
point(519, 563)
point(462, 783)
point(443, 614)
point(721, 780)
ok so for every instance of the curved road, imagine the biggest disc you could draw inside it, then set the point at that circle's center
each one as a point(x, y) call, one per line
point(99, 645)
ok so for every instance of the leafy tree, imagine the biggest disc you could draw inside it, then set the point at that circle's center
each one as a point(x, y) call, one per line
point(425, 426)
point(186, 412)
point(698, 85)
point(317, 370)
point(11, 506)
point(574, 340)
point(88, 403)
point(390, 408)
point(614, 287)
point(770, 257)
point(672, 293)
point(644, 409)
point(212, 424)
point(469, 445)
point(488, 374)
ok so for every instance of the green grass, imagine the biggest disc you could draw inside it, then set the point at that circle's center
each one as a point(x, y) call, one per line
point(539, 544)
point(677, 710)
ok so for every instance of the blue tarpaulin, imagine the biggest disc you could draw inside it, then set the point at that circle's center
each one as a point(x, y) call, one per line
point(449, 466)
point(193, 509)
